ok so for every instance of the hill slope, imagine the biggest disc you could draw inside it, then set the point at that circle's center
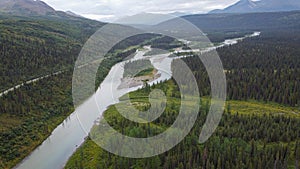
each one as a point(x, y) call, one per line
point(26, 7)
point(31, 47)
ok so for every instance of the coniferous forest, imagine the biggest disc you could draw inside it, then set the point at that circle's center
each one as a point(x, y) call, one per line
point(33, 47)
point(264, 68)
point(259, 128)
point(37, 47)
point(252, 134)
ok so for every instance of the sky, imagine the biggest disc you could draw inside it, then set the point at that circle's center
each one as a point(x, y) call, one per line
point(110, 10)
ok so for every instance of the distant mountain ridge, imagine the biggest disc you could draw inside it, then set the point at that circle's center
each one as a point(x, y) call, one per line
point(249, 6)
point(26, 7)
point(268, 21)
point(32, 8)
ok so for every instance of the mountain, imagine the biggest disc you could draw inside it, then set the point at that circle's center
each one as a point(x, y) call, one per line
point(248, 6)
point(247, 21)
point(179, 14)
point(33, 8)
point(32, 30)
point(213, 24)
point(26, 7)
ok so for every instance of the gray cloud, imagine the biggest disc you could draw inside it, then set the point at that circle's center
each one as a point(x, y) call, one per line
point(109, 10)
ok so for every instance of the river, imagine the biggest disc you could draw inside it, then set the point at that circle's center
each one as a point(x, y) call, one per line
point(55, 151)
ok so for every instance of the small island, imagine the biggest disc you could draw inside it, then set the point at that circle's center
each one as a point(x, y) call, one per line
point(137, 73)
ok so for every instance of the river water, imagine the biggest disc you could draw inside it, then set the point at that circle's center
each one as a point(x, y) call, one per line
point(55, 151)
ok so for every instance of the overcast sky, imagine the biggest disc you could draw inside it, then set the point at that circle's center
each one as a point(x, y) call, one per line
point(110, 10)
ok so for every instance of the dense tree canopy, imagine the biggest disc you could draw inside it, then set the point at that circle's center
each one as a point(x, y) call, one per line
point(262, 68)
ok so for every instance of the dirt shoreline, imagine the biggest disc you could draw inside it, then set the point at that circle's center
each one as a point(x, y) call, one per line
point(129, 82)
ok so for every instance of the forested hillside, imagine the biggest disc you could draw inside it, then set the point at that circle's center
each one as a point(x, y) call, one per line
point(31, 47)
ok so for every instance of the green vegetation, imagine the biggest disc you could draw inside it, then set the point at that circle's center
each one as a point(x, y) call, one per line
point(157, 52)
point(165, 43)
point(32, 47)
point(259, 108)
point(138, 68)
point(264, 68)
point(30, 114)
point(146, 72)
point(259, 128)
point(221, 35)
point(260, 139)
point(256, 107)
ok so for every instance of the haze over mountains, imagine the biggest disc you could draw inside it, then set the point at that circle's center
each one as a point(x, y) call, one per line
point(249, 6)
point(38, 7)
point(207, 22)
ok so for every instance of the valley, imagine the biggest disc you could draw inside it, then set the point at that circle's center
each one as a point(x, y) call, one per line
point(78, 124)
point(44, 125)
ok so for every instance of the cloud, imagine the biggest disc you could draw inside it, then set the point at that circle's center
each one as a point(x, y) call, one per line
point(109, 10)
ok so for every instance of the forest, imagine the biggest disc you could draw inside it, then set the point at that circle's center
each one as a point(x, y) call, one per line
point(138, 68)
point(252, 140)
point(259, 128)
point(264, 68)
point(34, 47)
point(263, 71)
point(28, 115)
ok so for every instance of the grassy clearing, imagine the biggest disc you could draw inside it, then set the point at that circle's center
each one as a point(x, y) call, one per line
point(254, 107)
point(259, 108)
point(146, 72)
point(8, 121)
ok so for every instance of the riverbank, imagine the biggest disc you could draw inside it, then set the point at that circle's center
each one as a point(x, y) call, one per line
point(27, 127)
point(130, 82)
